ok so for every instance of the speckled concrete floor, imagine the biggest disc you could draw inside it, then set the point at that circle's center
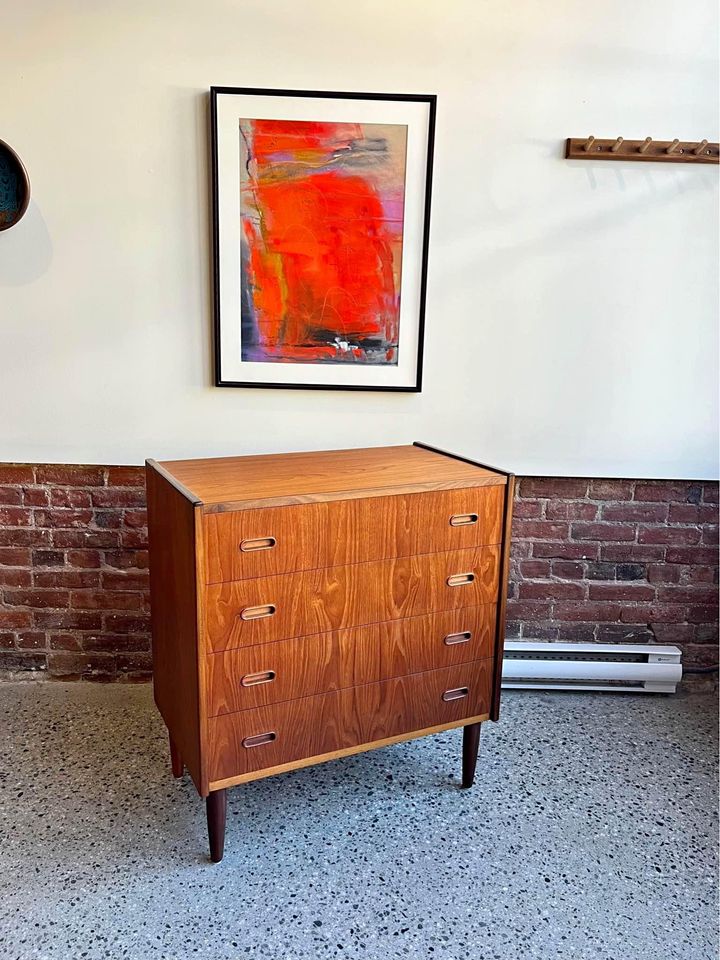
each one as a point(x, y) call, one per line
point(590, 833)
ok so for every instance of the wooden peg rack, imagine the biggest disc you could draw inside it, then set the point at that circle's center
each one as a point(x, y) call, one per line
point(659, 151)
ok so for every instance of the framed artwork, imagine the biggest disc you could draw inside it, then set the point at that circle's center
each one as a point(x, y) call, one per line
point(321, 206)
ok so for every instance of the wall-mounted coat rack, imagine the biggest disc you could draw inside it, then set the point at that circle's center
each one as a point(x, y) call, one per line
point(662, 151)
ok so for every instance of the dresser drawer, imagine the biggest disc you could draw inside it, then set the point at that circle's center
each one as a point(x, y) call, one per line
point(265, 541)
point(245, 612)
point(269, 736)
point(272, 672)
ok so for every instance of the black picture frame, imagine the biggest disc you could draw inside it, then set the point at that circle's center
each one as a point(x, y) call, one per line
point(431, 101)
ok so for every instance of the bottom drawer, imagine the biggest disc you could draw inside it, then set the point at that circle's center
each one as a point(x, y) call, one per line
point(253, 740)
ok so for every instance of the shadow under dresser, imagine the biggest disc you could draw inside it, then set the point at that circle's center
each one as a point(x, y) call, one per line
point(308, 606)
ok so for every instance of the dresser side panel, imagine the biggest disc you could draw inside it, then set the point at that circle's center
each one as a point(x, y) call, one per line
point(174, 611)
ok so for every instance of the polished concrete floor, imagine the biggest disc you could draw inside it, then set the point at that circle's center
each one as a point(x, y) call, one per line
point(590, 833)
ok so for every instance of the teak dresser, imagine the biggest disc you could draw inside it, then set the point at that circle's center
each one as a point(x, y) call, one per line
point(309, 606)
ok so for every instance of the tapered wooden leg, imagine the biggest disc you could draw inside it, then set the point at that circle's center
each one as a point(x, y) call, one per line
point(216, 809)
point(471, 742)
point(176, 760)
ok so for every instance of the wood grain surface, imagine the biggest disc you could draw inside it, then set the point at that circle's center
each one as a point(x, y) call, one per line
point(315, 601)
point(174, 609)
point(350, 531)
point(339, 720)
point(301, 667)
point(282, 479)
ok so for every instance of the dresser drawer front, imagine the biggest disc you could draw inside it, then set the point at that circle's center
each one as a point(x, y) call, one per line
point(272, 672)
point(245, 612)
point(297, 729)
point(265, 541)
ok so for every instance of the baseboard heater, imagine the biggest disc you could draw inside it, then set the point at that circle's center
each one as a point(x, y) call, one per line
point(630, 667)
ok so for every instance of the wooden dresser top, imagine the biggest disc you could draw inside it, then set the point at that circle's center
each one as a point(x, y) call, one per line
point(289, 478)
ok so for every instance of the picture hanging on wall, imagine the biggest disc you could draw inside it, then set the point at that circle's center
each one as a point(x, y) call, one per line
point(321, 206)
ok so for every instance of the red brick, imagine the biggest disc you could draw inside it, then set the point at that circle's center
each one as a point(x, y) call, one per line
point(60, 497)
point(108, 519)
point(120, 623)
point(125, 581)
point(621, 591)
point(576, 632)
point(651, 612)
point(703, 614)
point(647, 512)
point(698, 574)
point(672, 536)
point(116, 642)
point(552, 487)
point(529, 610)
point(15, 619)
point(87, 559)
point(571, 510)
point(64, 641)
point(48, 558)
point(10, 496)
point(86, 539)
point(568, 569)
point(710, 535)
point(11, 577)
point(551, 590)
point(693, 513)
point(65, 519)
point(135, 518)
point(70, 476)
point(705, 556)
point(15, 517)
point(622, 552)
point(112, 497)
point(74, 665)
point(673, 593)
point(126, 477)
point(22, 660)
point(105, 600)
point(67, 619)
point(611, 489)
point(698, 655)
point(519, 549)
point(70, 579)
point(131, 662)
point(136, 559)
point(527, 509)
point(14, 556)
point(31, 640)
point(674, 632)
point(602, 531)
point(134, 538)
point(24, 537)
point(663, 490)
point(588, 612)
point(35, 497)
point(540, 529)
point(7, 641)
point(38, 598)
point(534, 568)
point(663, 573)
point(16, 473)
point(706, 632)
point(566, 551)
point(711, 492)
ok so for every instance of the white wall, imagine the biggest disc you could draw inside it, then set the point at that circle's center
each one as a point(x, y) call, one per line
point(572, 307)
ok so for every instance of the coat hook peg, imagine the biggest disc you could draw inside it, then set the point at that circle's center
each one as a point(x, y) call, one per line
point(616, 146)
point(589, 143)
point(700, 148)
point(646, 144)
point(673, 146)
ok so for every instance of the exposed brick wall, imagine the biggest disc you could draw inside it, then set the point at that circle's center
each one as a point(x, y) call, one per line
point(616, 561)
point(607, 560)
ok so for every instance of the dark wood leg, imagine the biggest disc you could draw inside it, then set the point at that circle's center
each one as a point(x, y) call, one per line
point(216, 808)
point(176, 760)
point(471, 742)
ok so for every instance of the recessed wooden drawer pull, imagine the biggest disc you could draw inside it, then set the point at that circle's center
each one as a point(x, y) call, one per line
point(457, 694)
point(452, 638)
point(256, 613)
point(259, 543)
point(460, 579)
point(252, 679)
point(463, 519)
point(259, 739)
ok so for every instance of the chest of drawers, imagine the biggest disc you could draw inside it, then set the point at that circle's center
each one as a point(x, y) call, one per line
point(310, 606)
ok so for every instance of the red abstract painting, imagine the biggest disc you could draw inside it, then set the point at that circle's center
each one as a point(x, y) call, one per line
point(321, 206)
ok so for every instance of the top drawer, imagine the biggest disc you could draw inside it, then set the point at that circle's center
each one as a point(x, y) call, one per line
point(260, 542)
